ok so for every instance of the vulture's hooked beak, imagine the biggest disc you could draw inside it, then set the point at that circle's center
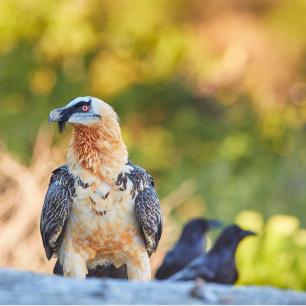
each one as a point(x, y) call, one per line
point(56, 115)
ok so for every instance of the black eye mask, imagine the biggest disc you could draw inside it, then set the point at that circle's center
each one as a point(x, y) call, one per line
point(68, 112)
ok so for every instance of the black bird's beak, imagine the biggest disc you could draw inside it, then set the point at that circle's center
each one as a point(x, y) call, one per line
point(57, 116)
point(214, 224)
point(249, 233)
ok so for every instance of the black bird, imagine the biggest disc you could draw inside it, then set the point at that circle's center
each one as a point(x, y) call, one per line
point(219, 264)
point(190, 245)
point(99, 271)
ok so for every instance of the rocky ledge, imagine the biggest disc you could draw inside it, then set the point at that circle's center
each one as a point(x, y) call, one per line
point(17, 287)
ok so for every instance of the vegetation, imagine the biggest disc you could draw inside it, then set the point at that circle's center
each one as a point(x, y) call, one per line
point(211, 99)
point(277, 256)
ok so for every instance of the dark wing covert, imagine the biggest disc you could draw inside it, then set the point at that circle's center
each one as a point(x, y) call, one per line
point(148, 213)
point(56, 208)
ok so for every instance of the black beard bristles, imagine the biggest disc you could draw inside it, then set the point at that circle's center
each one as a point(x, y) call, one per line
point(61, 126)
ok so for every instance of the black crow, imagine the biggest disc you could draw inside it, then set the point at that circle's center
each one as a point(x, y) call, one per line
point(218, 265)
point(190, 245)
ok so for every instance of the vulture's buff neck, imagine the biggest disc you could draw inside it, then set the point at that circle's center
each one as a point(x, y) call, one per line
point(98, 148)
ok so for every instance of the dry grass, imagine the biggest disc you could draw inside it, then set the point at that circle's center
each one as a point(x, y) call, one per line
point(22, 190)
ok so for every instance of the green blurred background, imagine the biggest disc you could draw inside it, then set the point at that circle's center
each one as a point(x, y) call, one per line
point(210, 91)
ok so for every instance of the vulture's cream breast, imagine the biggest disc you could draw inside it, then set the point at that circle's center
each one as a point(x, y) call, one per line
point(103, 222)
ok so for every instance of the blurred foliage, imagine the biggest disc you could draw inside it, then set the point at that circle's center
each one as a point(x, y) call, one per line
point(215, 92)
point(276, 256)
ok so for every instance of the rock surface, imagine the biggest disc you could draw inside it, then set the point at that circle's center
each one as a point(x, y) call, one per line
point(18, 287)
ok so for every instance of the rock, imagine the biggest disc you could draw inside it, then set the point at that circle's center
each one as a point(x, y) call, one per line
point(18, 287)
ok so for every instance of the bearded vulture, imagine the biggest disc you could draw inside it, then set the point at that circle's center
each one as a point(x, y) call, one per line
point(100, 209)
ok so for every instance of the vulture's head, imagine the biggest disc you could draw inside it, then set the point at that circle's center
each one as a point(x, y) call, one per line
point(83, 111)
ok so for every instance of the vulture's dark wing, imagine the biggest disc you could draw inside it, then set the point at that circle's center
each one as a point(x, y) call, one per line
point(148, 213)
point(149, 217)
point(56, 209)
point(100, 271)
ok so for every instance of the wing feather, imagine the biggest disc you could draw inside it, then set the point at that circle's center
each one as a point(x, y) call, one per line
point(56, 208)
point(149, 218)
point(199, 267)
point(147, 207)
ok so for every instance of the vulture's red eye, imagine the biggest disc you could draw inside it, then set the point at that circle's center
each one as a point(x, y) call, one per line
point(85, 108)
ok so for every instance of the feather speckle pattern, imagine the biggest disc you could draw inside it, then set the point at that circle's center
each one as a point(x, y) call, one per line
point(147, 204)
point(56, 210)
point(149, 218)
point(133, 181)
